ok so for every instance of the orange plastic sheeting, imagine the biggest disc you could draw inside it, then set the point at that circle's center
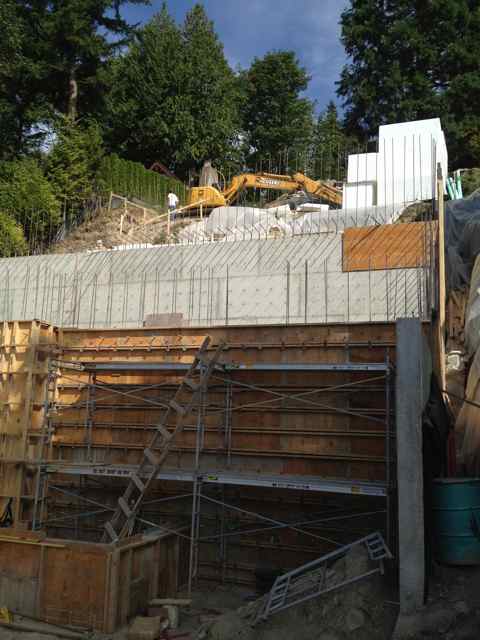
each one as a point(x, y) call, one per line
point(392, 246)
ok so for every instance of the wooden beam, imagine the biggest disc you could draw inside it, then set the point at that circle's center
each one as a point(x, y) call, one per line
point(439, 328)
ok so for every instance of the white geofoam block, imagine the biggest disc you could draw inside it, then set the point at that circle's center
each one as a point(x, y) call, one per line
point(403, 170)
point(362, 167)
point(358, 196)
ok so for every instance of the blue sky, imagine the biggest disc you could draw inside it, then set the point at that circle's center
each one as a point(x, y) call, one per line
point(250, 28)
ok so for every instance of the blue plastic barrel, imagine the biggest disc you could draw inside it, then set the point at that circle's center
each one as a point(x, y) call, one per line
point(456, 509)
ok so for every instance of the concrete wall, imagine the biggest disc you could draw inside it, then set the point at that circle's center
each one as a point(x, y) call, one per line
point(414, 370)
point(287, 280)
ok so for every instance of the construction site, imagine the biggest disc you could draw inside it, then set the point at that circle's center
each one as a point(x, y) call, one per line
point(228, 420)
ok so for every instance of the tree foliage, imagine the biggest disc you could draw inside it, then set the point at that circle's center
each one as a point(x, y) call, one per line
point(411, 60)
point(331, 145)
point(132, 180)
point(27, 198)
point(22, 105)
point(12, 238)
point(53, 54)
point(173, 96)
point(275, 116)
point(73, 163)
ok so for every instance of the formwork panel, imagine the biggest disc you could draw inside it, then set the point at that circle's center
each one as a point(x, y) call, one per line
point(89, 585)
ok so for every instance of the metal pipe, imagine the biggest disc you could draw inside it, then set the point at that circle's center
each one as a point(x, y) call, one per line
point(296, 524)
point(260, 517)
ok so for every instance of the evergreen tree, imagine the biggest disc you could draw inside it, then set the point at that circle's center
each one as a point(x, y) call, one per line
point(331, 145)
point(276, 119)
point(210, 92)
point(173, 95)
point(78, 36)
point(145, 117)
point(53, 54)
point(411, 60)
point(21, 103)
point(74, 161)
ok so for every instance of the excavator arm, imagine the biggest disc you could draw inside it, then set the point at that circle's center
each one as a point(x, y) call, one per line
point(258, 181)
point(320, 189)
point(210, 197)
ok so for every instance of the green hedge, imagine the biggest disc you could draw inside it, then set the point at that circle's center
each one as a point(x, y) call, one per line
point(132, 180)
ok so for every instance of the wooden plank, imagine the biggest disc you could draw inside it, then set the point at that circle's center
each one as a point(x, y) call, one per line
point(396, 246)
point(153, 590)
point(125, 580)
point(41, 578)
point(74, 584)
point(106, 599)
point(113, 588)
point(439, 354)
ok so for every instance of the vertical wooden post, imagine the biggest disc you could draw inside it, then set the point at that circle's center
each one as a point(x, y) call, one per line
point(440, 320)
point(155, 575)
point(177, 563)
point(126, 603)
point(113, 591)
point(108, 565)
point(40, 583)
point(30, 374)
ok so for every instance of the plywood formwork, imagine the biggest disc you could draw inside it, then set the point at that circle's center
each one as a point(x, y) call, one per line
point(90, 585)
point(396, 246)
point(339, 435)
point(24, 370)
point(296, 411)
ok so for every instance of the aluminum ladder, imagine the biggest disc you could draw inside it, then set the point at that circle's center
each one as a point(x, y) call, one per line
point(314, 578)
point(195, 381)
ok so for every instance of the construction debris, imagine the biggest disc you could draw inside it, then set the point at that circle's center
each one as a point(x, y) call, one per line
point(146, 628)
point(315, 578)
point(358, 611)
point(44, 629)
point(179, 602)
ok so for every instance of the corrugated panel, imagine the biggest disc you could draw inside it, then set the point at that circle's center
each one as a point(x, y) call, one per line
point(391, 246)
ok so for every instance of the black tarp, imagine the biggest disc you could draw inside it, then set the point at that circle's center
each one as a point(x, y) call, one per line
point(462, 239)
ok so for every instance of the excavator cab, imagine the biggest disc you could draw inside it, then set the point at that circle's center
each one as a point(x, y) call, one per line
point(209, 197)
point(208, 194)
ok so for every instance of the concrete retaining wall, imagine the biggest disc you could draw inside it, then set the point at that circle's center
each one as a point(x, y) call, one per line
point(288, 280)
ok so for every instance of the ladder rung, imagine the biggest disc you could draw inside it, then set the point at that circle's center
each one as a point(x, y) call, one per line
point(164, 432)
point(124, 507)
point(137, 482)
point(111, 531)
point(276, 599)
point(280, 588)
point(191, 384)
point(151, 457)
point(204, 359)
point(178, 407)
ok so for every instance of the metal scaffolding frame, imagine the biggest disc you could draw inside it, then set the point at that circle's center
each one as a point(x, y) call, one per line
point(98, 391)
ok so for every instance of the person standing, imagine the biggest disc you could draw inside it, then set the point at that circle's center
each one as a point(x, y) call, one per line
point(173, 201)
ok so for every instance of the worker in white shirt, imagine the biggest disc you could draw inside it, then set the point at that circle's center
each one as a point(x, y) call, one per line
point(172, 204)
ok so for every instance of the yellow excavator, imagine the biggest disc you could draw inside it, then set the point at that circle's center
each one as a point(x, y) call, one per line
point(210, 196)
